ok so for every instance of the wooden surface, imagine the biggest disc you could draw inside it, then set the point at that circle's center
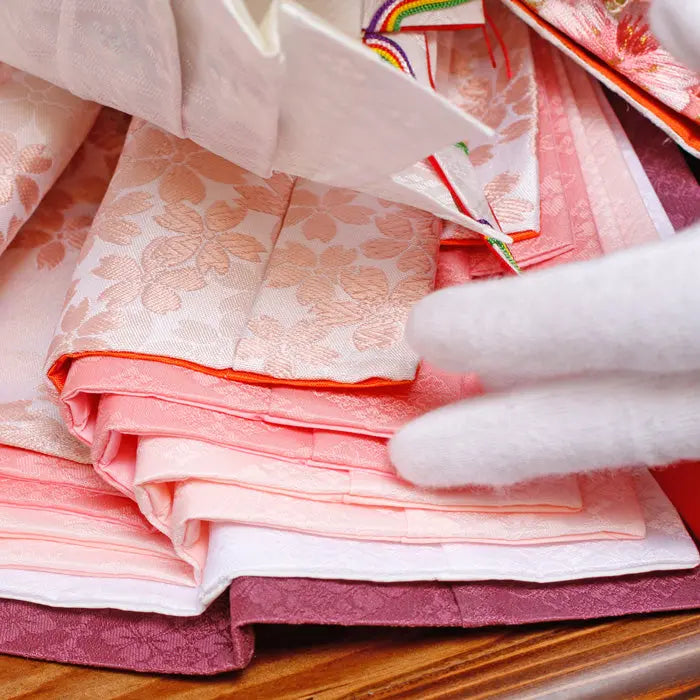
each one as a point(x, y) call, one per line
point(645, 657)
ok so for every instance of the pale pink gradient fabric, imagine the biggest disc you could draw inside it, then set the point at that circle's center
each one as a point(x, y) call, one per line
point(41, 127)
point(598, 194)
point(192, 257)
point(56, 514)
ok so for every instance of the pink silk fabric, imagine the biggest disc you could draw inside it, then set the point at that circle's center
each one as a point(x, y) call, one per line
point(618, 32)
point(41, 127)
point(221, 639)
point(193, 258)
point(315, 460)
point(585, 212)
point(56, 514)
point(509, 165)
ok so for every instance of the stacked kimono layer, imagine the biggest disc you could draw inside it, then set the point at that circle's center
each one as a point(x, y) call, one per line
point(204, 361)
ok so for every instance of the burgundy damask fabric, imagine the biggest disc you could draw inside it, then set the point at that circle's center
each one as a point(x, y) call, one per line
point(665, 166)
point(430, 604)
point(152, 643)
point(221, 639)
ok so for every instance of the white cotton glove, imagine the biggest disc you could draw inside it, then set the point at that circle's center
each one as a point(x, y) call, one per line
point(594, 365)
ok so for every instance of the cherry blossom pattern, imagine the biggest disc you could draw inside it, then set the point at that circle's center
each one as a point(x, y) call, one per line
point(178, 164)
point(315, 277)
point(286, 352)
point(408, 235)
point(494, 98)
point(376, 309)
point(157, 287)
point(209, 239)
point(111, 223)
point(80, 330)
point(508, 209)
point(623, 39)
point(17, 165)
point(320, 213)
point(51, 230)
point(271, 196)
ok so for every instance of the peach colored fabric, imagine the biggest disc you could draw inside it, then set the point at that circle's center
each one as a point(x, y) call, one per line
point(41, 127)
point(59, 516)
point(193, 258)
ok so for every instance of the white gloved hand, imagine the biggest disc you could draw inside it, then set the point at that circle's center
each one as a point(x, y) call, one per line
point(596, 365)
point(601, 361)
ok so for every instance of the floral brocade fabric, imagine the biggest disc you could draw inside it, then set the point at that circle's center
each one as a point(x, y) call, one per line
point(618, 32)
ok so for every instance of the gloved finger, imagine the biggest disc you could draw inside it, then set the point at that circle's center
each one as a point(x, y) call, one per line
point(638, 310)
point(557, 428)
point(676, 23)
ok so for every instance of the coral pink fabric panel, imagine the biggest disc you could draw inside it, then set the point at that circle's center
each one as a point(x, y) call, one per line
point(583, 214)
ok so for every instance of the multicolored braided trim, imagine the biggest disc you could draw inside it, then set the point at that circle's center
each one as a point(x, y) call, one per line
point(389, 51)
point(392, 13)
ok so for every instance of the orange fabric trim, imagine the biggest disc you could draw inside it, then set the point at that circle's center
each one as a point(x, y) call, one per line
point(685, 127)
point(475, 242)
point(59, 371)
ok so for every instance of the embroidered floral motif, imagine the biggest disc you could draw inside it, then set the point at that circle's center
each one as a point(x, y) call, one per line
point(285, 349)
point(51, 232)
point(209, 238)
point(270, 254)
point(507, 208)
point(320, 213)
point(272, 197)
point(378, 311)
point(16, 168)
point(157, 287)
point(111, 223)
point(179, 163)
point(409, 236)
point(623, 39)
point(79, 330)
point(315, 276)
